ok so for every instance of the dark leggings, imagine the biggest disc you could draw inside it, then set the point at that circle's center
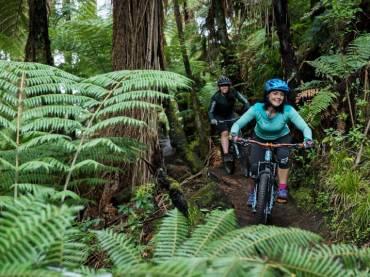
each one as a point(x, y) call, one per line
point(258, 153)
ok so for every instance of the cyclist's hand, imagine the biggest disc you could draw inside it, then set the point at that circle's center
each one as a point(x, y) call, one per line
point(308, 144)
point(234, 138)
point(214, 121)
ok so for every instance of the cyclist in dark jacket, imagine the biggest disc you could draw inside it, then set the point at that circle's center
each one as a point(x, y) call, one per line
point(222, 108)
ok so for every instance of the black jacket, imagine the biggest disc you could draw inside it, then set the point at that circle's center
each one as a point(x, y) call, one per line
point(223, 106)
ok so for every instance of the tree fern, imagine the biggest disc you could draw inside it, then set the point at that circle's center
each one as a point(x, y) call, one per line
point(173, 232)
point(259, 240)
point(21, 270)
point(302, 262)
point(109, 90)
point(341, 65)
point(24, 122)
point(121, 250)
point(218, 224)
point(37, 234)
point(351, 256)
point(13, 26)
point(312, 112)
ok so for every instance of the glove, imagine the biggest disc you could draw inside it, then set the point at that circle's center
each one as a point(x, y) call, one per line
point(308, 144)
point(214, 121)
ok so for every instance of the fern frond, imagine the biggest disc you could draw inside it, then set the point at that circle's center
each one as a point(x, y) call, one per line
point(52, 124)
point(218, 224)
point(172, 233)
point(53, 111)
point(136, 95)
point(29, 226)
point(67, 251)
point(127, 106)
point(13, 26)
point(311, 112)
point(120, 249)
point(113, 121)
point(259, 240)
point(47, 139)
point(175, 267)
point(304, 263)
point(24, 269)
point(36, 189)
point(351, 256)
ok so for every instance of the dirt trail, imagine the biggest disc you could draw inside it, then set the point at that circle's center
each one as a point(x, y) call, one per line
point(284, 215)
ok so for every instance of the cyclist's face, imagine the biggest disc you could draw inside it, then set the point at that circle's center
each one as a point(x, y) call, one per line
point(224, 88)
point(276, 98)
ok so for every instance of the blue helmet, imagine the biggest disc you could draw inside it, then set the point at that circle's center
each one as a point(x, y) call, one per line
point(276, 84)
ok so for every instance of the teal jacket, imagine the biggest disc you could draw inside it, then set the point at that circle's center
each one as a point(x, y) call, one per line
point(275, 127)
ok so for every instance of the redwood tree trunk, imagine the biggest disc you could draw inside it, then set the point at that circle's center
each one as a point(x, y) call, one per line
point(137, 34)
point(286, 47)
point(137, 44)
point(38, 42)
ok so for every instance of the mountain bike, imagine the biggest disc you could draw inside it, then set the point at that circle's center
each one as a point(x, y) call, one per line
point(229, 165)
point(265, 191)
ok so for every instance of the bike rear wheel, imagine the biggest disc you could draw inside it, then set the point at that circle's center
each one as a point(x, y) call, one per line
point(262, 199)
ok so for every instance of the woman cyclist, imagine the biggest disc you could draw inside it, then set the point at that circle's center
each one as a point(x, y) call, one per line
point(222, 108)
point(272, 116)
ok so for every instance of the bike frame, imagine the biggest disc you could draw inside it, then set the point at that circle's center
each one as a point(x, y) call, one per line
point(267, 167)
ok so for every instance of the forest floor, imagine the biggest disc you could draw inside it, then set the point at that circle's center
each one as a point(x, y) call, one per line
point(234, 188)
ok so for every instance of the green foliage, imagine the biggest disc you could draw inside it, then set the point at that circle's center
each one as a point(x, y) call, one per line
point(217, 248)
point(172, 233)
point(339, 66)
point(121, 250)
point(13, 27)
point(312, 111)
point(35, 235)
point(50, 118)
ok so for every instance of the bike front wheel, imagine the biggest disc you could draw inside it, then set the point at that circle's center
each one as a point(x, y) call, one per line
point(262, 199)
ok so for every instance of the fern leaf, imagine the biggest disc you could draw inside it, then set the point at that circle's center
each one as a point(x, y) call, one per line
point(175, 267)
point(304, 263)
point(29, 227)
point(24, 269)
point(113, 121)
point(259, 240)
point(49, 124)
point(48, 138)
point(122, 252)
point(126, 106)
point(172, 233)
point(218, 224)
point(351, 256)
point(136, 95)
point(102, 142)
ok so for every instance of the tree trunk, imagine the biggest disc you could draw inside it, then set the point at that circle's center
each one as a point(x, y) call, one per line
point(137, 34)
point(230, 65)
point(194, 99)
point(38, 42)
point(286, 47)
point(137, 44)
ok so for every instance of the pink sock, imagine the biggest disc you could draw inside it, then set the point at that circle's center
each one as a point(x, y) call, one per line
point(283, 186)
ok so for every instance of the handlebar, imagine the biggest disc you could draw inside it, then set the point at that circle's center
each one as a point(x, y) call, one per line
point(269, 145)
point(228, 120)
